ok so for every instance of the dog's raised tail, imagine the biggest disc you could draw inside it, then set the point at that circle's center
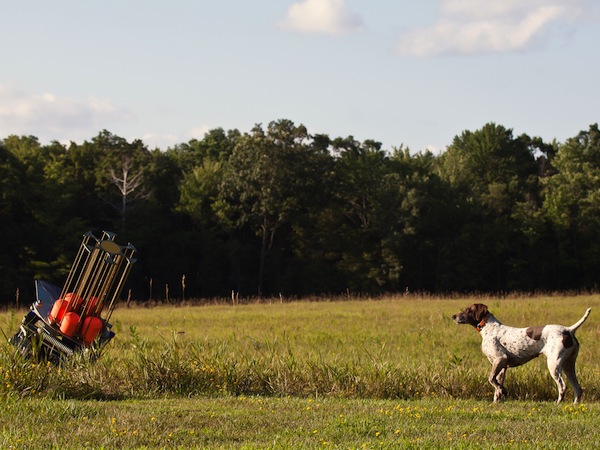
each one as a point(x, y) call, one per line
point(576, 325)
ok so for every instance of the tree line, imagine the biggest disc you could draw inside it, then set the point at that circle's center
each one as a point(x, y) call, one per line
point(280, 211)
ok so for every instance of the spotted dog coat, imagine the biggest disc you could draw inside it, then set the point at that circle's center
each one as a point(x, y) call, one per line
point(509, 347)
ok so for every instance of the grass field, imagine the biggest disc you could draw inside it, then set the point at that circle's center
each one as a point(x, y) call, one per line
point(386, 373)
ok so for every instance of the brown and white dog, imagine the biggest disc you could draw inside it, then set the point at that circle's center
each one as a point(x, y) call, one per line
point(510, 347)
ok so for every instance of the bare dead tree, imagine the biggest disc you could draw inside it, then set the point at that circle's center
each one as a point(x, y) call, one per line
point(129, 186)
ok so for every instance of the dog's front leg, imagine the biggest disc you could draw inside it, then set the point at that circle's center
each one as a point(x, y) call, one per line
point(500, 377)
point(496, 378)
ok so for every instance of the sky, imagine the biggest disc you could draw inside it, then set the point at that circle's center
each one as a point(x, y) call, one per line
point(402, 72)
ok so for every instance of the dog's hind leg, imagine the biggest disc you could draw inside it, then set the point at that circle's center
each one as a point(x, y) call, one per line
point(569, 370)
point(556, 372)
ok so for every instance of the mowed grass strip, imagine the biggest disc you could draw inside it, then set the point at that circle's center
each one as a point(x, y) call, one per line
point(291, 422)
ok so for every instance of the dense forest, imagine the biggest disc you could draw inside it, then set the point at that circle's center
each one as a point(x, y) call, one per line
point(280, 211)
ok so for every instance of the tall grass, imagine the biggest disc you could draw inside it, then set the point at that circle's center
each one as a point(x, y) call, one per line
point(396, 348)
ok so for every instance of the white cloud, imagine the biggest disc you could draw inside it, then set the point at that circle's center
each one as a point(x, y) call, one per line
point(331, 17)
point(164, 141)
point(197, 132)
point(435, 149)
point(492, 26)
point(51, 117)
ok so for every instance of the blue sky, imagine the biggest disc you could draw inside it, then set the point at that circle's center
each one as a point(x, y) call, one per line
point(402, 72)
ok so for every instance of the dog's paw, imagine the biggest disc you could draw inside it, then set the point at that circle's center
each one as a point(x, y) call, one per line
point(499, 395)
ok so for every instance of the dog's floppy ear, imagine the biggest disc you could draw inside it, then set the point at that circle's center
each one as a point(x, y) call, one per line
point(479, 311)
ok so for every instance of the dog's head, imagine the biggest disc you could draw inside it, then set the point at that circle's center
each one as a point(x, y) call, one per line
point(471, 315)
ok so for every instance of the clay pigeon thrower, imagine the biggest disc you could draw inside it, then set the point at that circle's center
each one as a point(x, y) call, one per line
point(76, 318)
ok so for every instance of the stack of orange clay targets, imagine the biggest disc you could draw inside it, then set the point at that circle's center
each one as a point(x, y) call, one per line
point(95, 280)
